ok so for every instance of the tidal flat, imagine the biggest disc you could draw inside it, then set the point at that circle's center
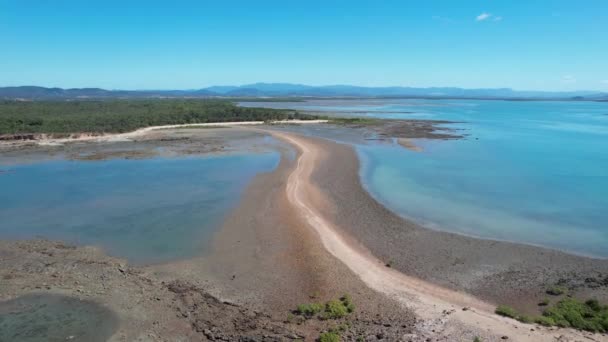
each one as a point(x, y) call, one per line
point(263, 259)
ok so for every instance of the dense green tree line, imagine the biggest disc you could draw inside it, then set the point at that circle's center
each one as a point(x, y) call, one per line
point(115, 116)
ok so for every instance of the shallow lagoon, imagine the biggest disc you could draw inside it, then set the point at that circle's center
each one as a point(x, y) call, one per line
point(147, 210)
point(532, 172)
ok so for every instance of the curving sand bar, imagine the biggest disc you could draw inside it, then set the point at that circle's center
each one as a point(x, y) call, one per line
point(428, 300)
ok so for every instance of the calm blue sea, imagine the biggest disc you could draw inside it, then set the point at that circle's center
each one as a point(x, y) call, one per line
point(532, 172)
point(150, 210)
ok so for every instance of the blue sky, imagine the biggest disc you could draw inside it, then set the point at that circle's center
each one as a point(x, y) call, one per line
point(537, 45)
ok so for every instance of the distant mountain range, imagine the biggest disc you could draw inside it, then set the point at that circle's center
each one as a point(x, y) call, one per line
point(294, 90)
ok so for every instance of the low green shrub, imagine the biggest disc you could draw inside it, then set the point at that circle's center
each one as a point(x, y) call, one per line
point(556, 291)
point(525, 319)
point(506, 311)
point(348, 303)
point(567, 313)
point(544, 321)
point(570, 312)
point(333, 309)
point(309, 309)
point(329, 336)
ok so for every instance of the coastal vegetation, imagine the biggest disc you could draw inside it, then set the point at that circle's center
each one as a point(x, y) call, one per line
point(119, 116)
point(334, 334)
point(566, 313)
point(353, 121)
point(329, 336)
point(333, 309)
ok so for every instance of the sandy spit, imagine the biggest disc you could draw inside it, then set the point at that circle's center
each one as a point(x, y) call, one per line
point(428, 300)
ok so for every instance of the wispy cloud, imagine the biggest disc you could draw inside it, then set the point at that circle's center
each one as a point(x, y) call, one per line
point(604, 81)
point(483, 16)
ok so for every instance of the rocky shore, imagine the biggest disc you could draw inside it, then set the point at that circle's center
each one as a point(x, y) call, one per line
point(149, 308)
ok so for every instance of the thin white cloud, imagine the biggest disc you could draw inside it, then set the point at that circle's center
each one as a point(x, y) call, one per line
point(604, 81)
point(483, 16)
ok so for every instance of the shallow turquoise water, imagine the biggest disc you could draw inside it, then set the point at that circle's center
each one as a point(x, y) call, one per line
point(149, 210)
point(532, 172)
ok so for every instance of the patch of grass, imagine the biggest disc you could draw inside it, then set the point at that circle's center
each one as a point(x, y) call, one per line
point(567, 313)
point(310, 309)
point(333, 309)
point(544, 321)
point(348, 303)
point(476, 339)
point(525, 319)
point(556, 290)
point(506, 311)
point(329, 336)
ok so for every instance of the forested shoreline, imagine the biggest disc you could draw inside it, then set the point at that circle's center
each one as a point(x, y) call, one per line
point(119, 116)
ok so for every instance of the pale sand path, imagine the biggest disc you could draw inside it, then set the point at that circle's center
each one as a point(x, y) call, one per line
point(429, 301)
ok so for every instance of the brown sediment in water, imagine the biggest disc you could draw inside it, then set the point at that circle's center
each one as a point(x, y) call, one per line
point(407, 143)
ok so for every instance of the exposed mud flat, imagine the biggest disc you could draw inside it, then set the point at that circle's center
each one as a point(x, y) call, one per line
point(135, 304)
point(160, 143)
point(266, 259)
point(500, 272)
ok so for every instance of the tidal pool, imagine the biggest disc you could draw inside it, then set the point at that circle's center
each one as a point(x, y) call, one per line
point(54, 318)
